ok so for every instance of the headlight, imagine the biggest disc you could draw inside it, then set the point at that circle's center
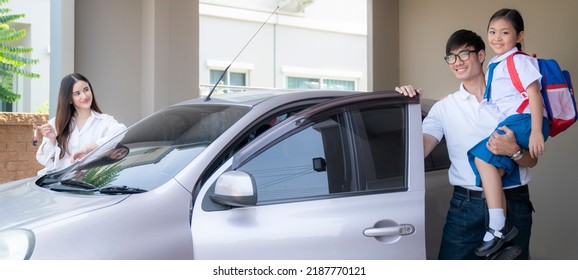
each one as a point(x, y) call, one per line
point(16, 244)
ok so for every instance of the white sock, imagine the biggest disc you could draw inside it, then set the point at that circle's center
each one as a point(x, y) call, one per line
point(497, 221)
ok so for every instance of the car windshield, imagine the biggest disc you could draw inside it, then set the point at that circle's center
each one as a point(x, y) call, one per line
point(154, 150)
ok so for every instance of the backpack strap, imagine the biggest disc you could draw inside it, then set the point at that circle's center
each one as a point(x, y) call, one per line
point(568, 81)
point(516, 80)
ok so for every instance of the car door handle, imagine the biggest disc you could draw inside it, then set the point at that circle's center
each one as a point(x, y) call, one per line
point(403, 229)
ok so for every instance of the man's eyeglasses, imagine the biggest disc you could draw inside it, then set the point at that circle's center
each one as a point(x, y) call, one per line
point(463, 55)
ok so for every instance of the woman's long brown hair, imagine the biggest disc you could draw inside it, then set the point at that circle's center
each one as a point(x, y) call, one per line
point(65, 110)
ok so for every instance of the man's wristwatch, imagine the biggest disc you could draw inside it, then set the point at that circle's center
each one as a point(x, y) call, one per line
point(517, 156)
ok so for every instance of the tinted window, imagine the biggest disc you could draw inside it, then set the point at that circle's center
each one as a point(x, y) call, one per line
point(383, 148)
point(438, 158)
point(320, 159)
point(308, 163)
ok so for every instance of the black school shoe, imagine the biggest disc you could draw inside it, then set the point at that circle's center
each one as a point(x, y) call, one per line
point(502, 236)
point(508, 252)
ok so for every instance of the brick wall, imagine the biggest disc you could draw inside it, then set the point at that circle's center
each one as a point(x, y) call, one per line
point(17, 154)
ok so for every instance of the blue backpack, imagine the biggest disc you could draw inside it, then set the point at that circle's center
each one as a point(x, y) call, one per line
point(557, 93)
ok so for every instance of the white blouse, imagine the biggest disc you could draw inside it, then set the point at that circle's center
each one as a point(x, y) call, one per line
point(98, 129)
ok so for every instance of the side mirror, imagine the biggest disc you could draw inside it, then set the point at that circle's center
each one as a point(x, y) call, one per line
point(235, 188)
point(319, 164)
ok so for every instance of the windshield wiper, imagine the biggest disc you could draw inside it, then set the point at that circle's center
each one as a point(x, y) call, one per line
point(52, 177)
point(79, 183)
point(120, 190)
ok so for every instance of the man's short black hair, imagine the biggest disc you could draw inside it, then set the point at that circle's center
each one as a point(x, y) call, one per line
point(467, 38)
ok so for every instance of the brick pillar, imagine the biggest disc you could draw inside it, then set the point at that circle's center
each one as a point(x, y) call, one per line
point(17, 154)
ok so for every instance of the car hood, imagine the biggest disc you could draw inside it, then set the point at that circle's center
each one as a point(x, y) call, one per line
point(24, 204)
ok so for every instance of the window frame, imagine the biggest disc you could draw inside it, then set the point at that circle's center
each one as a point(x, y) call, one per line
point(362, 148)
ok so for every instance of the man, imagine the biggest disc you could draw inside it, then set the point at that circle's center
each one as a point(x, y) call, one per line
point(464, 119)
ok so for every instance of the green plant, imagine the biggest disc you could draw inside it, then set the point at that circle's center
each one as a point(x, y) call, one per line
point(102, 175)
point(44, 109)
point(13, 59)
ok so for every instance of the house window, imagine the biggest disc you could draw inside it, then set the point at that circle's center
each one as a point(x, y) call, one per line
point(309, 78)
point(338, 84)
point(7, 82)
point(313, 83)
point(5, 106)
point(230, 78)
point(307, 83)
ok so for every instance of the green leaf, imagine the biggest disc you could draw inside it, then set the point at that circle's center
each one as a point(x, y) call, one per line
point(10, 18)
point(11, 35)
point(8, 95)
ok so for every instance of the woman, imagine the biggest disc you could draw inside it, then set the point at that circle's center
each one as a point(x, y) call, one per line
point(78, 128)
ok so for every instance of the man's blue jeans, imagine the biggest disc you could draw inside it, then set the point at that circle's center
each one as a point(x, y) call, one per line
point(466, 225)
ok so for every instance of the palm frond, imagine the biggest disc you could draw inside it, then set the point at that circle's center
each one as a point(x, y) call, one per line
point(11, 35)
point(10, 18)
point(14, 49)
point(7, 68)
point(16, 60)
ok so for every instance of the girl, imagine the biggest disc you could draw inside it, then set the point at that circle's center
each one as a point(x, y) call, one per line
point(78, 128)
point(505, 34)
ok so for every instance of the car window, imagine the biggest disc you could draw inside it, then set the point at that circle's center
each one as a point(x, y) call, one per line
point(382, 132)
point(250, 135)
point(305, 164)
point(438, 159)
point(320, 159)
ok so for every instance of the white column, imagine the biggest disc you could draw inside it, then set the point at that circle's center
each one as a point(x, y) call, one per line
point(61, 46)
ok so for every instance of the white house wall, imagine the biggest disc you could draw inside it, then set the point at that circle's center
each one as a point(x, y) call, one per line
point(34, 92)
point(320, 40)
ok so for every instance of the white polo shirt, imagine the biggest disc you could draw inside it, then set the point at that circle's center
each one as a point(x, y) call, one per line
point(464, 122)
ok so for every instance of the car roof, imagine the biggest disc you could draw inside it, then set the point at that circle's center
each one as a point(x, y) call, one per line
point(270, 98)
point(253, 97)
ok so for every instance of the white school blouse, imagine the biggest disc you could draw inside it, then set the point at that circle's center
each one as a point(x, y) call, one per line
point(505, 98)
